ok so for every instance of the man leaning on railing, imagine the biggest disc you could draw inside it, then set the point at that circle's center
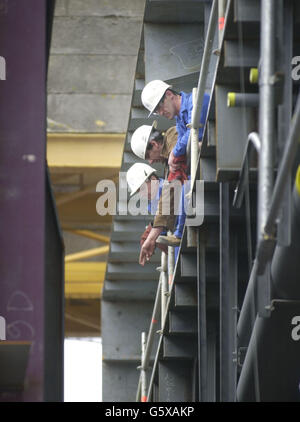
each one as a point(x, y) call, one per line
point(154, 146)
point(159, 98)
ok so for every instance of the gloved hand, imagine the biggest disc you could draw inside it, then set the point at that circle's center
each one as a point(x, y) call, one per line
point(180, 173)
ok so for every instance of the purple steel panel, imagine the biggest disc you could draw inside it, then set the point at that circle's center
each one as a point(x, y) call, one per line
point(22, 182)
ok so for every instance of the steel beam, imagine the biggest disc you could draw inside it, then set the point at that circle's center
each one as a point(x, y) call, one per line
point(228, 301)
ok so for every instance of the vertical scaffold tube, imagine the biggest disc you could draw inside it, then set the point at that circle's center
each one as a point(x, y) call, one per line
point(266, 112)
point(164, 285)
point(143, 370)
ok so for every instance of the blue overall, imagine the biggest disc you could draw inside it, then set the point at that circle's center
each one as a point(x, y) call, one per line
point(185, 117)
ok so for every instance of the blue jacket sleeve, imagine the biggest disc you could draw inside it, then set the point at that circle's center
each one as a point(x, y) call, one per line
point(183, 135)
point(180, 147)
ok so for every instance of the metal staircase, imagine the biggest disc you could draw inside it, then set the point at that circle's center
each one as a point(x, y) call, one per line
point(202, 352)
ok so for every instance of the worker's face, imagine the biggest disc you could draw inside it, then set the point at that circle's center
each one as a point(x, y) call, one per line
point(167, 107)
point(153, 155)
point(150, 188)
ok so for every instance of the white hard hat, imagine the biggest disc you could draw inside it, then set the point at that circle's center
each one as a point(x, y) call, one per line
point(153, 93)
point(140, 139)
point(137, 175)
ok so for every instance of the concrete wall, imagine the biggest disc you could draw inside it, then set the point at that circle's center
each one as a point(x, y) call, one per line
point(92, 64)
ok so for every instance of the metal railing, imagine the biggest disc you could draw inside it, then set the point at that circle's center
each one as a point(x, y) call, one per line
point(200, 90)
point(160, 307)
point(218, 13)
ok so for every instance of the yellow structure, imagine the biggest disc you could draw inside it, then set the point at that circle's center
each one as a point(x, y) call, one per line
point(77, 162)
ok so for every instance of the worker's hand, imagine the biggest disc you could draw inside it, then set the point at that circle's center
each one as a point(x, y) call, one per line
point(173, 166)
point(147, 250)
point(145, 234)
point(148, 247)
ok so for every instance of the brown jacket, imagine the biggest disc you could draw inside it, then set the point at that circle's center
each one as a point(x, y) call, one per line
point(170, 140)
point(161, 220)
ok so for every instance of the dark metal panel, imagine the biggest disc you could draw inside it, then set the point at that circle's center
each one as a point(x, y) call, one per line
point(175, 382)
point(272, 366)
point(176, 348)
point(172, 51)
point(247, 11)
point(185, 295)
point(182, 322)
point(235, 56)
point(22, 181)
point(189, 267)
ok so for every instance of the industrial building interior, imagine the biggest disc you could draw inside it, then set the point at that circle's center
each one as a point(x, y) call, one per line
point(227, 320)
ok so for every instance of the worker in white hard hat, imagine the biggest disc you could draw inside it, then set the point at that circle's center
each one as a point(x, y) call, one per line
point(141, 177)
point(159, 98)
point(137, 175)
point(152, 145)
point(155, 146)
